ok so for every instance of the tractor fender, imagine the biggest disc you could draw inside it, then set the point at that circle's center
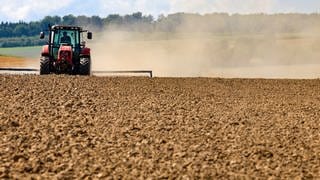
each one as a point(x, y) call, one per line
point(45, 50)
point(85, 52)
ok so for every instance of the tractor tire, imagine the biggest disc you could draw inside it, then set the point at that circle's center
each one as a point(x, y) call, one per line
point(85, 66)
point(44, 65)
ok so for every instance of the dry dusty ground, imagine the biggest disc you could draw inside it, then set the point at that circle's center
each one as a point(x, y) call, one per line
point(78, 127)
point(9, 61)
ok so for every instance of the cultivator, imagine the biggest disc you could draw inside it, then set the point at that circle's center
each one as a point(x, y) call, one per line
point(18, 70)
point(36, 71)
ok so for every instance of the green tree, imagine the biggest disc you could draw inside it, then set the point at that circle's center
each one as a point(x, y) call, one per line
point(20, 30)
point(50, 20)
point(82, 20)
point(69, 20)
point(96, 21)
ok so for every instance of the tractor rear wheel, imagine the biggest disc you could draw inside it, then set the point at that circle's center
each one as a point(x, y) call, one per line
point(44, 65)
point(85, 66)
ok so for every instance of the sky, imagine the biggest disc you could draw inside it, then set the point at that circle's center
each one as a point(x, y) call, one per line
point(33, 10)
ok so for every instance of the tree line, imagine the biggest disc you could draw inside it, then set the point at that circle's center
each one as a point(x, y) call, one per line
point(26, 33)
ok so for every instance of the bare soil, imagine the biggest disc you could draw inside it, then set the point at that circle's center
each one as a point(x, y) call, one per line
point(7, 61)
point(10, 61)
point(99, 127)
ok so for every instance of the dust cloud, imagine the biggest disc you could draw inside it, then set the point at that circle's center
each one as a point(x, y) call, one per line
point(201, 54)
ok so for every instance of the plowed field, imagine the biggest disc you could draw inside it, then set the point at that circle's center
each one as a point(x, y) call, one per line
point(99, 127)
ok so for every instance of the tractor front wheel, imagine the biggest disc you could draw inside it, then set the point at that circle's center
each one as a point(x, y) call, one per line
point(44, 65)
point(85, 66)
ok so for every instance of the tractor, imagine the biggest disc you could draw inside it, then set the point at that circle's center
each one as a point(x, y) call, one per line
point(65, 52)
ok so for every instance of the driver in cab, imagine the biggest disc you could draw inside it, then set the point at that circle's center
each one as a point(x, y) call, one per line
point(65, 38)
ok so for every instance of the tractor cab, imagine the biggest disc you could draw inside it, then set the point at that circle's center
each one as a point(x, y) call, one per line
point(66, 49)
point(63, 37)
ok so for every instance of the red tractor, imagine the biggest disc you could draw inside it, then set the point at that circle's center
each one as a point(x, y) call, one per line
point(65, 52)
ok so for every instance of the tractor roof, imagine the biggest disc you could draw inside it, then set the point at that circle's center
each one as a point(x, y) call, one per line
point(63, 27)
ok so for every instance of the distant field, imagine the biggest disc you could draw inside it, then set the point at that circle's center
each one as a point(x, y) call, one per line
point(26, 52)
point(200, 54)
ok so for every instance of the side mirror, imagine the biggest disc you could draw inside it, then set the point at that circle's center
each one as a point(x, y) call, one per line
point(89, 35)
point(42, 35)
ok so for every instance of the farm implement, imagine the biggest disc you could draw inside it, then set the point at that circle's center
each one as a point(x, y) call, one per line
point(5, 70)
